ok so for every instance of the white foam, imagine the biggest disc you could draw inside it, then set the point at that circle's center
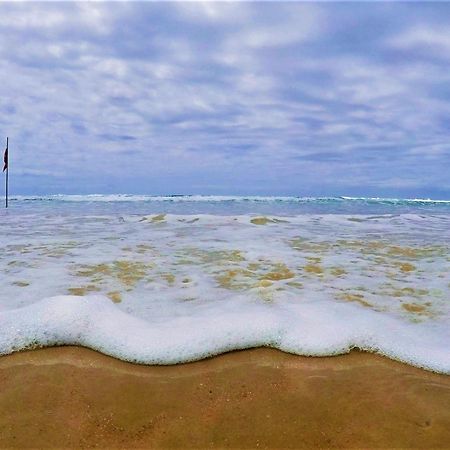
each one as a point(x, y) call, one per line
point(162, 198)
point(309, 329)
point(183, 307)
point(395, 200)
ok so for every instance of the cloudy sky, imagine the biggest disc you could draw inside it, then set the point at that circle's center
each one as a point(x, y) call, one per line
point(227, 98)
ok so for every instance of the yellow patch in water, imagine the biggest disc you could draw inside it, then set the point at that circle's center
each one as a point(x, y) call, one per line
point(407, 267)
point(21, 283)
point(158, 218)
point(408, 291)
point(264, 273)
point(362, 246)
point(128, 272)
point(403, 251)
point(418, 252)
point(313, 268)
point(264, 283)
point(115, 296)
point(235, 279)
point(216, 257)
point(183, 262)
point(265, 220)
point(169, 277)
point(83, 290)
point(97, 279)
point(295, 284)
point(261, 220)
point(226, 279)
point(224, 256)
point(95, 269)
point(304, 245)
point(234, 256)
point(372, 245)
point(280, 272)
point(414, 308)
point(358, 298)
point(314, 259)
point(338, 271)
point(381, 248)
point(253, 266)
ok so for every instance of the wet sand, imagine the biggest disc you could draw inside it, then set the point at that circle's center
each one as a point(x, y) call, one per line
point(263, 398)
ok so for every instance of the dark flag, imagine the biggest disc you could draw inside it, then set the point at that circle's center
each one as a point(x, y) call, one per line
point(5, 159)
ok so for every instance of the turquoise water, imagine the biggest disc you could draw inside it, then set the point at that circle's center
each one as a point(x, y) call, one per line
point(223, 205)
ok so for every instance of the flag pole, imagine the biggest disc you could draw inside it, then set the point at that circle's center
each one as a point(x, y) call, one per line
point(7, 170)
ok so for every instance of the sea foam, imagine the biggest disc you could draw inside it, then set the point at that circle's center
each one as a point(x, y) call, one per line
point(311, 329)
point(165, 288)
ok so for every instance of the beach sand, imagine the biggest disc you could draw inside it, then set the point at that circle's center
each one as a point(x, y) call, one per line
point(261, 398)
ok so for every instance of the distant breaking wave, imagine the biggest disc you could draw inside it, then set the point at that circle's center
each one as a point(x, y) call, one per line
point(225, 198)
point(223, 204)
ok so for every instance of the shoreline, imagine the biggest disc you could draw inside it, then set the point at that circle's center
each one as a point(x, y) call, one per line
point(76, 397)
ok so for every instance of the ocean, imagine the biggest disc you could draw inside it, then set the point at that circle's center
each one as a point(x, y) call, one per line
point(171, 279)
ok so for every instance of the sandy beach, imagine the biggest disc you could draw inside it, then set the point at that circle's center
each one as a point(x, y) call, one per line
point(261, 398)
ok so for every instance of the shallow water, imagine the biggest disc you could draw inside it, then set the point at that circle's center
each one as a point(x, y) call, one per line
point(165, 288)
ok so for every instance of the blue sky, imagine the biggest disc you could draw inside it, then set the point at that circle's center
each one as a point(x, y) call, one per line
point(227, 98)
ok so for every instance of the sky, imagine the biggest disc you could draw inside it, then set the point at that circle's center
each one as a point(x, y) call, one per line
point(250, 98)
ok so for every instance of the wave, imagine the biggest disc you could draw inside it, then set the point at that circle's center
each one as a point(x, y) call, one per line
point(222, 199)
point(396, 200)
point(319, 329)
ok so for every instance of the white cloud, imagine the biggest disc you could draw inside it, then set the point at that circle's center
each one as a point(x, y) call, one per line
point(225, 12)
point(431, 38)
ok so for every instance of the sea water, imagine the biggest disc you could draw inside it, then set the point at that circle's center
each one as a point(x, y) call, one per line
point(164, 280)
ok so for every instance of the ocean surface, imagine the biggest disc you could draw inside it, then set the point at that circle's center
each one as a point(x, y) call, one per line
point(165, 280)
